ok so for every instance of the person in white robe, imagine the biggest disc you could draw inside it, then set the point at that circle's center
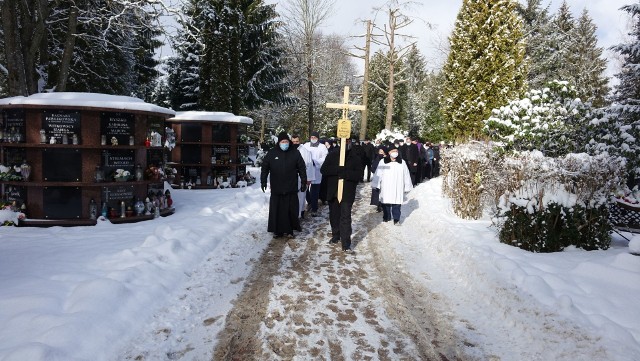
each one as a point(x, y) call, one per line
point(311, 173)
point(393, 179)
point(318, 154)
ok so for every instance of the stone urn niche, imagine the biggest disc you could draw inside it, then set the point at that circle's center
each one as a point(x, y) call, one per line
point(69, 146)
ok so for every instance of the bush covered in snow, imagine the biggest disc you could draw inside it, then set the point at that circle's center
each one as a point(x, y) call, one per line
point(558, 202)
point(616, 131)
point(539, 203)
point(550, 120)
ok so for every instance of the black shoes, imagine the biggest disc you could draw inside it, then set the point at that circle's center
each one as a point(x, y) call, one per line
point(334, 240)
point(396, 222)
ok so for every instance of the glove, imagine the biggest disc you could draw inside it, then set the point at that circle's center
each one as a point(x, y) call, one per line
point(341, 172)
point(263, 186)
point(303, 187)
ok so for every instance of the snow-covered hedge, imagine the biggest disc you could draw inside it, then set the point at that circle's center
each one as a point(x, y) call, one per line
point(463, 169)
point(539, 203)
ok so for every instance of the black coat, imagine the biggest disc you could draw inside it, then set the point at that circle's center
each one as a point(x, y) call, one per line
point(284, 167)
point(353, 170)
point(413, 156)
point(369, 152)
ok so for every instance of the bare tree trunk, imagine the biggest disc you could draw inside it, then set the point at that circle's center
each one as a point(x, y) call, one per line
point(16, 79)
point(365, 84)
point(397, 21)
point(67, 55)
point(303, 17)
point(392, 63)
point(310, 98)
point(23, 23)
point(33, 40)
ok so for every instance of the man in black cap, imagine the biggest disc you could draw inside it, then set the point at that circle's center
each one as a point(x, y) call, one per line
point(351, 173)
point(285, 165)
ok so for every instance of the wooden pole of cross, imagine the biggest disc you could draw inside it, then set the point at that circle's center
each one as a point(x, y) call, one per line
point(344, 131)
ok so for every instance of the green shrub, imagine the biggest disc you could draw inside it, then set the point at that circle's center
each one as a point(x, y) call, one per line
point(555, 227)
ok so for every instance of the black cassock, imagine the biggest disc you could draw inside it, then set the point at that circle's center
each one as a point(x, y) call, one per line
point(284, 168)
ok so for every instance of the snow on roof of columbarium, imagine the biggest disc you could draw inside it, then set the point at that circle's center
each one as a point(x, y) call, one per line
point(89, 100)
point(196, 115)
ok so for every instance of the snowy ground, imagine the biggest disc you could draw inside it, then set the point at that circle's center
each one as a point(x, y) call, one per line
point(165, 289)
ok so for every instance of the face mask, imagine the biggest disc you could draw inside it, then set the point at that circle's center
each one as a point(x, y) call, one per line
point(393, 154)
point(284, 146)
point(314, 141)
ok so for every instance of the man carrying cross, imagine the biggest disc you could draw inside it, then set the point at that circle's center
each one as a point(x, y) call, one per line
point(350, 174)
point(343, 170)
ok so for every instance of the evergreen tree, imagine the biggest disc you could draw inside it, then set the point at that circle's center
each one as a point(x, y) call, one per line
point(434, 125)
point(485, 67)
point(229, 57)
point(584, 59)
point(266, 75)
point(538, 32)
point(618, 130)
point(414, 69)
point(183, 69)
point(559, 43)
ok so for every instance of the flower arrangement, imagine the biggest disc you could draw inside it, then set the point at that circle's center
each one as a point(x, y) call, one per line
point(154, 173)
point(9, 173)
point(121, 175)
point(10, 215)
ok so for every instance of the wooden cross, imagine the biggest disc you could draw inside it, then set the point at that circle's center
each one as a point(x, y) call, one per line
point(344, 131)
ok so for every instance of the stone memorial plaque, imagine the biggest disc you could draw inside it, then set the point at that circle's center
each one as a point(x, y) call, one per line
point(61, 165)
point(14, 156)
point(15, 193)
point(221, 133)
point(62, 202)
point(190, 132)
point(118, 125)
point(156, 124)
point(155, 157)
point(57, 123)
point(114, 195)
point(190, 154)
point(113, 159)
point(14, 125)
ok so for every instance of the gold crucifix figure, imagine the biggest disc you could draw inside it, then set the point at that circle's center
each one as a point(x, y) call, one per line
point(344, 131)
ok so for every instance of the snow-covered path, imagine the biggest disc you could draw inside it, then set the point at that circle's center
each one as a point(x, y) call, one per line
point(172, 289)
point(421, 290)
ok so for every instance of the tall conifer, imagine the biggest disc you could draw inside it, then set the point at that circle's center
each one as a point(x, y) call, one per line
point(485, 68)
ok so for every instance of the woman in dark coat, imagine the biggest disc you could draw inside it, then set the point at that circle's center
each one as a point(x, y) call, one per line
point(351, 173)
point(285, 165)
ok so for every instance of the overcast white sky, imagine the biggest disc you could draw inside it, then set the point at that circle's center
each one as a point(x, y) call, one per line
point(348, 16)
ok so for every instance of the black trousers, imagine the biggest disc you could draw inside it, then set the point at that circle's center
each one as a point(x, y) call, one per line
point(340, 220)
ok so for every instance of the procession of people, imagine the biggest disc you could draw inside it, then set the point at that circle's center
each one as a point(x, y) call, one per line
point(303, 177)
